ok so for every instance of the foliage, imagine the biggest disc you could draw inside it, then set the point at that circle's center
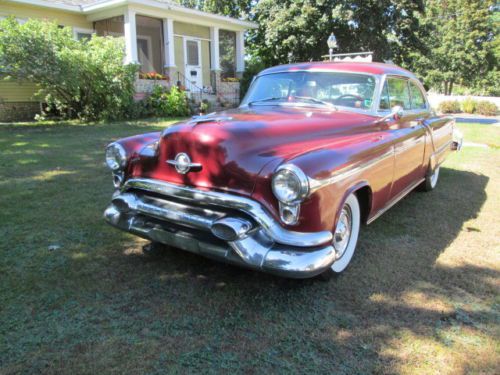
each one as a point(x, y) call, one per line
point(84, 79)
point(204, 106)
point(253, 67)
point(449, 106)
point(232, 8)
point(460, 38)
point(168, 102)
point(486, 108)
point(297, 30)
point(469, 105)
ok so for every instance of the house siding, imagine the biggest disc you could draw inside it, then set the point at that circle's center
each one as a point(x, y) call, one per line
point(26, 11)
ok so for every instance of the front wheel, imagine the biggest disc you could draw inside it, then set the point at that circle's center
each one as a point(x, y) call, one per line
point(345, 236)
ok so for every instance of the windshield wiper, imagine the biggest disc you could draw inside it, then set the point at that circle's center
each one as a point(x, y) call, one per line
point(314, 100)
point(270, 99)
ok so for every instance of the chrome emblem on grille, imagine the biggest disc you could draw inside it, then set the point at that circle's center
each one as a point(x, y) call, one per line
point(183, 163)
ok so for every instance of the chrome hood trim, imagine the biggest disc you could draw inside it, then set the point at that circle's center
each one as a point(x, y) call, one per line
point(247, 205)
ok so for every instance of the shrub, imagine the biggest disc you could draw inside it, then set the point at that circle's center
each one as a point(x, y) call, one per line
point(169, 102)
point(449, 106)
point(83, 79)
point(254, 66)
point(486, 108)
point(469, 105)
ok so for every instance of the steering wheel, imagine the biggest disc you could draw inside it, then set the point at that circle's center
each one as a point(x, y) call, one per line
point(358, 97)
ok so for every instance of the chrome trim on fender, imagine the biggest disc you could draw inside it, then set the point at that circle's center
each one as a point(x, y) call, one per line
point(348, 171)
point(247, 205)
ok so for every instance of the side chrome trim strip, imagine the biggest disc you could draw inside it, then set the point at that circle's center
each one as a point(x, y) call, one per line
point(251, 207)
point(395, 200)
point(348, 171)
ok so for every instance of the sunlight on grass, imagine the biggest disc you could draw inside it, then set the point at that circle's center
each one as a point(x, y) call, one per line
point(48, 175)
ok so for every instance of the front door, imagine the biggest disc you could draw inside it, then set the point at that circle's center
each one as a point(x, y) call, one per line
point(410, 133)
point(192, 58)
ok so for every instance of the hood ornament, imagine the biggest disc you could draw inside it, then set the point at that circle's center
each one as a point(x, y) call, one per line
point(182, 163)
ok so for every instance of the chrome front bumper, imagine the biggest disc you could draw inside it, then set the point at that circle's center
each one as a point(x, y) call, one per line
point(184, 217)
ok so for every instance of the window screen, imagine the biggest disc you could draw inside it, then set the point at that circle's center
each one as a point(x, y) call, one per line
point(192, 53)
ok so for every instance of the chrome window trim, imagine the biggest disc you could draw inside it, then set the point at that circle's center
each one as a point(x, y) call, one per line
point(253, 208)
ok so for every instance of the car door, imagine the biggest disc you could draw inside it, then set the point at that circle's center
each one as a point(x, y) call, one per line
point(409, 132)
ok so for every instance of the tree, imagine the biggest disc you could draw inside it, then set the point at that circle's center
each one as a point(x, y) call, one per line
point(460, 40)
point(232, 8)
point(300, 28)
point(85, 79)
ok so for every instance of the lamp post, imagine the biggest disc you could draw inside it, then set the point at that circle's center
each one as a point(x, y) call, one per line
point(332, 43)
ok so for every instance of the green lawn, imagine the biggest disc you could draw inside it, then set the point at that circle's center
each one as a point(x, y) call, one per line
point(421, 296)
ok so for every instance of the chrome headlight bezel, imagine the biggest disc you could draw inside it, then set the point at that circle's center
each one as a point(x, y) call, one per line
point(290, 184)
point(116, 157)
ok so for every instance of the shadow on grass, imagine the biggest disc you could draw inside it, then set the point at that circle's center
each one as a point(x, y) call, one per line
point(396, 258)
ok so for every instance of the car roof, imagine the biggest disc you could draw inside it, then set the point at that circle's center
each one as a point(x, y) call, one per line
point(351, 66)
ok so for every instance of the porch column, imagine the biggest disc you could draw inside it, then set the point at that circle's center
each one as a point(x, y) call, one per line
point(214, 58)
point(168, 39)
point(240, 53)
point(214, 49)
point(130, 33)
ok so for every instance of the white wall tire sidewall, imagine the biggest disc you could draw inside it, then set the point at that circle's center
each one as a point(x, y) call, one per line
point(433, 179)
point(342, 263)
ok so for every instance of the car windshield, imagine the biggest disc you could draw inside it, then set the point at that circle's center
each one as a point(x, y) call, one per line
point(312, 88)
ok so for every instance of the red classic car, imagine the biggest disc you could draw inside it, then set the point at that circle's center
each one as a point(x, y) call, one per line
point(283, 183)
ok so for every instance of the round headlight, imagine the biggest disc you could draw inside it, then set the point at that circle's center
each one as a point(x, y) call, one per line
point(290, 184)
point(116, 157)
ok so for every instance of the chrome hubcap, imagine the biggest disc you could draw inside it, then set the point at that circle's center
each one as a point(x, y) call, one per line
point(342, 232)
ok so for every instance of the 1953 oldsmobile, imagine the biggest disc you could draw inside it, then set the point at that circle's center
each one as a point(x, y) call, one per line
point(283, 183)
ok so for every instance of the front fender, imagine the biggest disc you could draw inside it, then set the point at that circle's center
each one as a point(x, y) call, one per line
point(335, 173)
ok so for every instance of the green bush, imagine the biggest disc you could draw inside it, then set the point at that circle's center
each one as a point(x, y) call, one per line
point(486, 108)
point(82, 79)
point(469, 105)
point(449, 106)
point(168, 102)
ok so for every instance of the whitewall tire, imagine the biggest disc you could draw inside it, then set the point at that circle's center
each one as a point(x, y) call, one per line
point(431, 180)
point(345, 236)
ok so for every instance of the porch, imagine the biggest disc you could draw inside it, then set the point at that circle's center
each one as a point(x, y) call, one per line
point(204, 57)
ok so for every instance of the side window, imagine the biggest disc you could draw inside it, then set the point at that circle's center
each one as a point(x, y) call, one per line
point(417, 97)
point(384, 98)
point(399, 93)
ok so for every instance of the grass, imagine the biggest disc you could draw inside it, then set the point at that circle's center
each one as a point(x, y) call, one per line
point(421, 296)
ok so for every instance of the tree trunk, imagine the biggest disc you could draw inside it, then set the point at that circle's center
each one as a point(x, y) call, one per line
point(446, 87)
point(450, 88)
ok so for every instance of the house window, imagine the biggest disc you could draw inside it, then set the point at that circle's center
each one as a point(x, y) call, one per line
point(193, 57)
point(82, 34)
point(227, 48)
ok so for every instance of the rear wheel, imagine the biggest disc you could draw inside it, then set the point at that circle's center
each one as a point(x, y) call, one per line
point(431, 181)
point(345, 237)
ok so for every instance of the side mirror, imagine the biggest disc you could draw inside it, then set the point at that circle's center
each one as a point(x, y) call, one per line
point(397, 112)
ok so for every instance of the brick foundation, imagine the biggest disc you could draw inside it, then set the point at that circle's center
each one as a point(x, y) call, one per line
point(18, 111)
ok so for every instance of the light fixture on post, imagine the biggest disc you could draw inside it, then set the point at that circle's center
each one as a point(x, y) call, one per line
point(332, 43)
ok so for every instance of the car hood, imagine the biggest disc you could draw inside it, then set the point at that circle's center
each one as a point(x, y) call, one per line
point(234, 146)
